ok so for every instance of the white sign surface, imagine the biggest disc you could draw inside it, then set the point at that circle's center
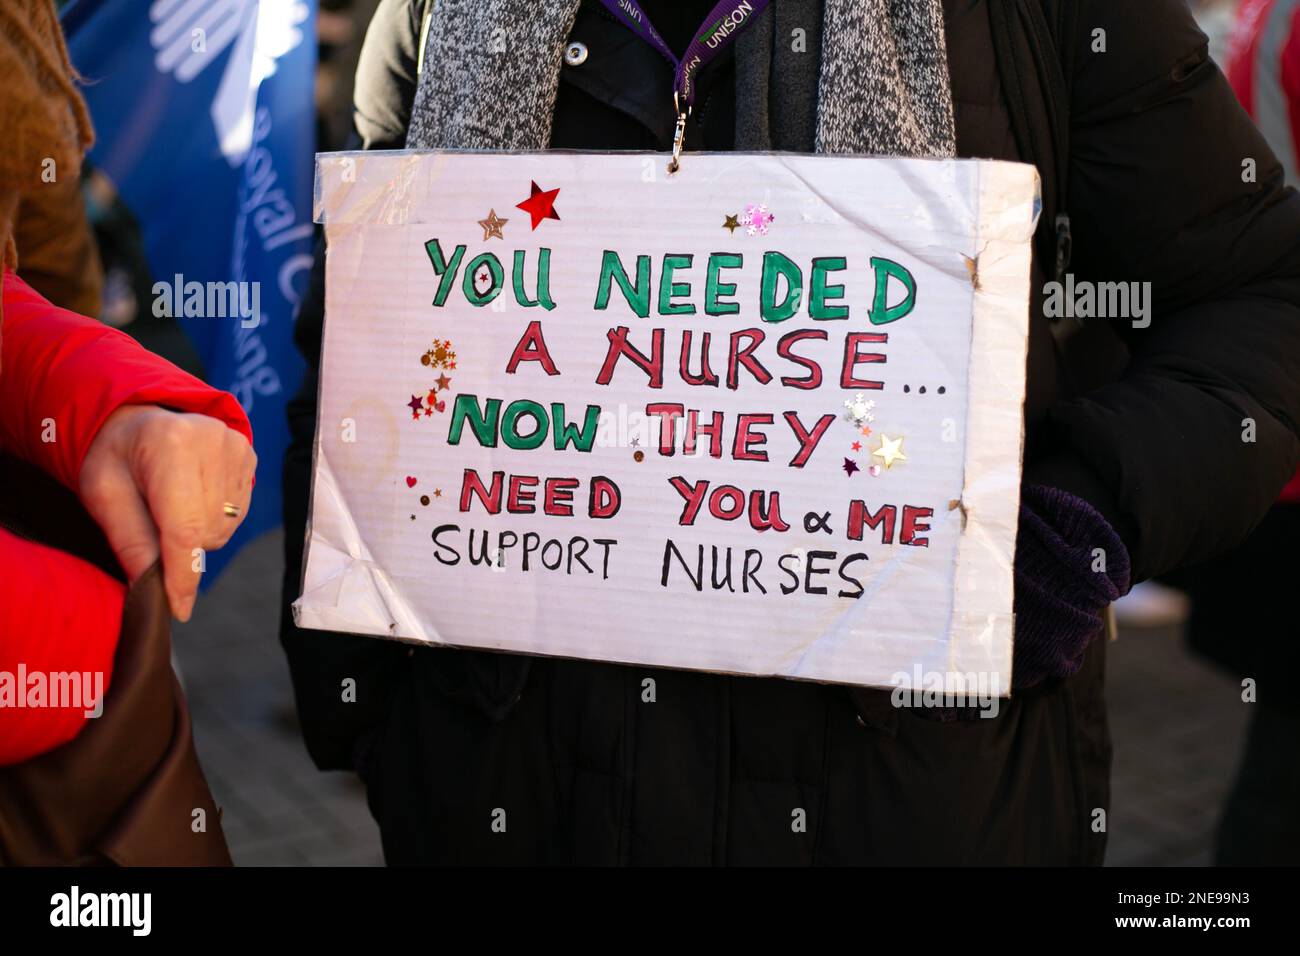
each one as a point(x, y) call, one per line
point(759, 417)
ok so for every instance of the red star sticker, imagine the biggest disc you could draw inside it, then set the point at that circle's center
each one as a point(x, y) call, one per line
point(857, 446)
point(540, 205)
point(443, 383)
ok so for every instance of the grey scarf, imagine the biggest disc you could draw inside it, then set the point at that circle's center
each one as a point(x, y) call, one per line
point(492, 68)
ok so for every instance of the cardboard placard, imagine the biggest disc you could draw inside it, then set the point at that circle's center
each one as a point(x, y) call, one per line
point(759, 417)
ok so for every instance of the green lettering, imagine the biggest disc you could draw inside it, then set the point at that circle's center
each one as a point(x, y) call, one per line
point(776, 265)
point(472, 295)
point(566, 433)
point(543, 280)
point(441, 267)
point(484, 426)
point(819, 291)
point(714, 287)
point(611, 267)
point(510, 425)
point(668, 288)
point(881, 312)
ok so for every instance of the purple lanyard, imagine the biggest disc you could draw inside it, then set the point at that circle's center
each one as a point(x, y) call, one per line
point(715, 34)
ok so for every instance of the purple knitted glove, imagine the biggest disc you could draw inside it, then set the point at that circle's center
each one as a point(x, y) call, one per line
point(1060, 600)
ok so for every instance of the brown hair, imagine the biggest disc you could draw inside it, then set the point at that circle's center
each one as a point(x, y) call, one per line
point(43, 118)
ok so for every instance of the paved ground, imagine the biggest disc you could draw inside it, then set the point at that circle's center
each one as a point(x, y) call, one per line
point(277, 809)
point(1177, 727)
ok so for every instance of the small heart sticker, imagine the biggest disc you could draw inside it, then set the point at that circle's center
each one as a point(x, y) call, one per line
point(410, 482)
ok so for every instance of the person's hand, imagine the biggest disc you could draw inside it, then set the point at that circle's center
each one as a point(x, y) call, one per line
point(159, 482)
point(1070, 565)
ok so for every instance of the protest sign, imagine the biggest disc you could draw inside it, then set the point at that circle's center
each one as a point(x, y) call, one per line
point(762, 416)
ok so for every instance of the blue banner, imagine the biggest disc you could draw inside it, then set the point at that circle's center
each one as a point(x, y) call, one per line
point(205, 122)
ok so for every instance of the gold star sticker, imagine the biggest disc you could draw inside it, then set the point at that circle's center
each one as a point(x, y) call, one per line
point(890, 450)
point(492, 225)
point(732, 224)
point(437, 492)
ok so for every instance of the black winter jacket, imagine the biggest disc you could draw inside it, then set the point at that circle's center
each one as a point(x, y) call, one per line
point(1145, 424)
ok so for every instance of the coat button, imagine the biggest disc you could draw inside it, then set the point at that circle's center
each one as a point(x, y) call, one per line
point(575, 54)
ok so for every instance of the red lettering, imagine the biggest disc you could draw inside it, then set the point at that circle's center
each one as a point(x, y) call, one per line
point(727, 512)
point(706, 376)
point(668, 415)
point(519, 500)
point(814, 377)
point(740, 450)
point(807, 439)
point(914, 520)
point(744, 356)
point(558, 502)
point(473, 486)
point(605, 498)
point(852, 358)
point(653, 365)
point(694, 429)
point(694, 495)
point(532, 348)
point(860, 517)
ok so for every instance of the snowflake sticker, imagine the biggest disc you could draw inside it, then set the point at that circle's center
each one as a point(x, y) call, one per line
point(858, 409)
point(440, 355)
point(756, 219)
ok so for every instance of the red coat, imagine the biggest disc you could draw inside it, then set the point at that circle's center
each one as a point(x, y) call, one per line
point(1264, 69)
point(58, 613)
